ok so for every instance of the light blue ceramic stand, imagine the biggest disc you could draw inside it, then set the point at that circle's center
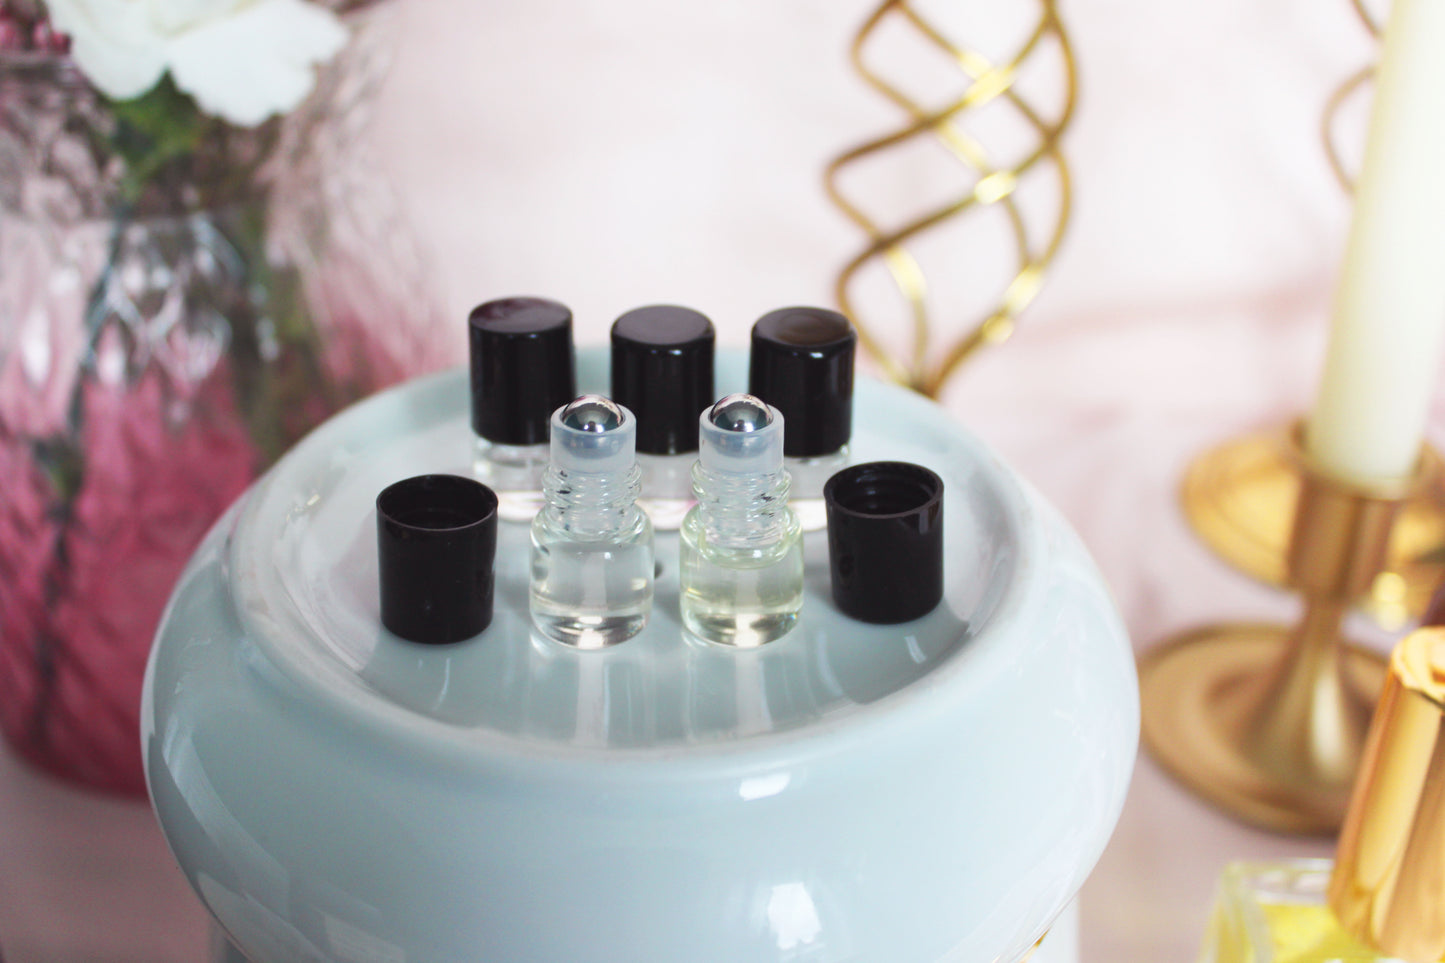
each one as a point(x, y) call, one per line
point(937, 790)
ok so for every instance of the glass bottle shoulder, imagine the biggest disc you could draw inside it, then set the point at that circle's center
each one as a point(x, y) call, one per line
point(1276, 912)
point(694, 536)
point(629, 524)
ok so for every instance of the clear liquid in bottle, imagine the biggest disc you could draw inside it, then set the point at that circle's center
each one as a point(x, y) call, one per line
point(592, 546)
point(741, 558)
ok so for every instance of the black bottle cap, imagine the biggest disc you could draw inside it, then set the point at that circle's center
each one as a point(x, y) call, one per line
point(802, 364)
point(436, 539)
point(522, 368)
point(662, 371)
point(885, 540)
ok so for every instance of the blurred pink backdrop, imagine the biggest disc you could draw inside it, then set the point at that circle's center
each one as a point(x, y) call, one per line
point(635, 151)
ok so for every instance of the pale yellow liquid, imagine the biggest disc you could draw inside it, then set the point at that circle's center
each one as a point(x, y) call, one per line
point(739, 597)
point(1296, 933)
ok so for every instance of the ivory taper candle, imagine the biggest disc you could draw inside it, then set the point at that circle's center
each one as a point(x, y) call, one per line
point(1368, 423)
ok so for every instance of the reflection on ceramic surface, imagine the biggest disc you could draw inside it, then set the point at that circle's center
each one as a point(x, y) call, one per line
point(933, 790)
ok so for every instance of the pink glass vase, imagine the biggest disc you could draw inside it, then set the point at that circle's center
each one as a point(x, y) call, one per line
point(160, 345)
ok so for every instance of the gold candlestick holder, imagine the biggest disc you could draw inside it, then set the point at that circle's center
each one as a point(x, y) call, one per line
point(1240, 500)
point(1267, 721)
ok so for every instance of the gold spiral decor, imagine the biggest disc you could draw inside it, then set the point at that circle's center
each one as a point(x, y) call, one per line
point(991, 184)
point(1341, 96)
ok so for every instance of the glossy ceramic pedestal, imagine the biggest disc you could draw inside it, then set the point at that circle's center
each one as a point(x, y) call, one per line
point(937, 790)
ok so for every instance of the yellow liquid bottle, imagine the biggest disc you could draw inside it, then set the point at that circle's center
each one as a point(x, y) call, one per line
point(1382, 900)
point(1277, 913)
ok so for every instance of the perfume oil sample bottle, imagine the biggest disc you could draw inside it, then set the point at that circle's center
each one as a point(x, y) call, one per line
point(662, 371)
point(802, 364)
point(1382, 899)
point(592, 547)
point(522, 369)
point(741, 565)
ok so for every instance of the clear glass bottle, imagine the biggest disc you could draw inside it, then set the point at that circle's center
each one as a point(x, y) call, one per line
point(662, 370)
point(592, 547)
point(1275, 912)
point(667, 488)
point(809, 473)
point(1380, 900)
point(514, 472)
point(801, 362)
point(522, 369)
point(741, 565)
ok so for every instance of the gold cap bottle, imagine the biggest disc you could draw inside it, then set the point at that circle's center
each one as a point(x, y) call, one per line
point(1388, 884)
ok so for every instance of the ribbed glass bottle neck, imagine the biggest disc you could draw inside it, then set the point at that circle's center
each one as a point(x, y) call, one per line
point(592, 506)
point(744, 511)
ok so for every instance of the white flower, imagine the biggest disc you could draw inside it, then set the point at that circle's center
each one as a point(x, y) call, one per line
point(242, 60)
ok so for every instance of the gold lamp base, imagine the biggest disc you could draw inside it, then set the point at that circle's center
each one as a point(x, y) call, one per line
point(1240, 498)
point(1201, 694)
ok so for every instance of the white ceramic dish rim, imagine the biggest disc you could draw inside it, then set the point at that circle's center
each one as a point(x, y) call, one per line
point(264, 620)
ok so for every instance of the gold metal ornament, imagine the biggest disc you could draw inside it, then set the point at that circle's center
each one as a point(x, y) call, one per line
point(924, 369)
point(1341, 96)
point(1268, 722)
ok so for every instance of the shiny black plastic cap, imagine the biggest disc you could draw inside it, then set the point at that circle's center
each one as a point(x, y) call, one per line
point(522, 368)
point(436, 539)
point(802, 364)
point(885, 540)
point(662, 370)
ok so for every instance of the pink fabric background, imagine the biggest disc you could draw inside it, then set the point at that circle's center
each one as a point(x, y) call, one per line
point(615, 154)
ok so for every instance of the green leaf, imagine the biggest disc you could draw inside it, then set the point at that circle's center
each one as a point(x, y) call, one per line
point(160, 126)
point(63, 464)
